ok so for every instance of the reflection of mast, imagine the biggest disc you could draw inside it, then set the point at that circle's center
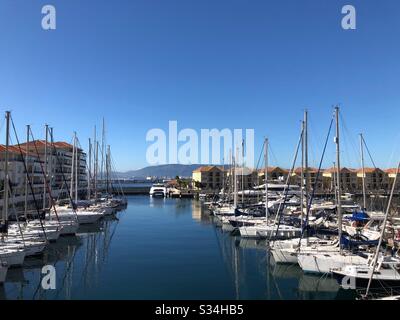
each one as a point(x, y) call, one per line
point(236, 265)
point(68, 257)
point(229, 253)
point(268, 275)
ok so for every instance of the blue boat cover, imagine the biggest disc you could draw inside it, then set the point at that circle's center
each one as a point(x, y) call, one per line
point(359, 216)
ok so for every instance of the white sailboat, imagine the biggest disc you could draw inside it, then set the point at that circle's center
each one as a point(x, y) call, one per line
point(386, 272)
point(379, 269)
point(288, 251)
point(69, 214)
point(324, 259)
point(274, 229)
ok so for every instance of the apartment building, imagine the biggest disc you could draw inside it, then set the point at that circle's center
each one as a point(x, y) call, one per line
point(208, 178)
point(375, 179)
point(348, 179)
point(212, 178)
point(312, 174)
point(57, 167)
point(17, 178)
point(246, 178)
point(274, 174)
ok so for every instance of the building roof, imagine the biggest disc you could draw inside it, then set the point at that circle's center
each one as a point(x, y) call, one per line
point(11, 149)
point(310, 170)
point(40, 144)
point(246, 171)
point(391, 170)
point(206, 168)
point(333, 170)
point(63, 145)
point(273, 169)
point(368, 170)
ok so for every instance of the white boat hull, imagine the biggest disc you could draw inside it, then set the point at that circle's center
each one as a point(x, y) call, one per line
point(324, 263)
point(284, 256)
point(13, 258)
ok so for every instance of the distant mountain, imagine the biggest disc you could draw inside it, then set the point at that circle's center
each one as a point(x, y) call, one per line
point(167, 170)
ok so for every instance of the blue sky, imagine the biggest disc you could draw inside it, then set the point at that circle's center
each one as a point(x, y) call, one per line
point(207, 64)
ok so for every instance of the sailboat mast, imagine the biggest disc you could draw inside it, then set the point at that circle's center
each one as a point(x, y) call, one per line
point(230, 174)
point(363, 172)
point(383, 229)
point(6, 172)
point(266, 179)
point(108, 169)
point(223, 177)
point(338, 182)
point(235, 194)
point(72, 169)
point(307, 176)
point(51, 164)
point(334, 187)
point(77, 168)
point(242, 172)
point(102, 155)
point(302, 176)
point(46, 128)
point(26, 173)
point(90, 169)
point(95, 164)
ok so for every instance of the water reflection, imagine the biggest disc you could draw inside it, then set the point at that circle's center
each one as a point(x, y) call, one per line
point(163, 249)
point(157, 202)
point(199, 213)
point(91, 244)
point(255, 275)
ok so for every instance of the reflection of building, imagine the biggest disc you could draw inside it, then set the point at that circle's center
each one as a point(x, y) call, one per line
point(196, 210)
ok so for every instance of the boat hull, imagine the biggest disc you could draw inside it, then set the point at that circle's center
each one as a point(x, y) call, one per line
point(284, 256)
point(326, 262)
point(14, 258)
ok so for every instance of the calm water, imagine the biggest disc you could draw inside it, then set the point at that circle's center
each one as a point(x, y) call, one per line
point(163, 249)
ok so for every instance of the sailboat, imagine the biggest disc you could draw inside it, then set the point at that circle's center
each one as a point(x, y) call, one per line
point(336, 257)
point(73, 212)
point(385, 273)
point(287, 251)
point(45, 230)
point(29, 243)
point(380, 269)
point(368, 228)
point(273, 229)
point(8, 256)
point(229, 209)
